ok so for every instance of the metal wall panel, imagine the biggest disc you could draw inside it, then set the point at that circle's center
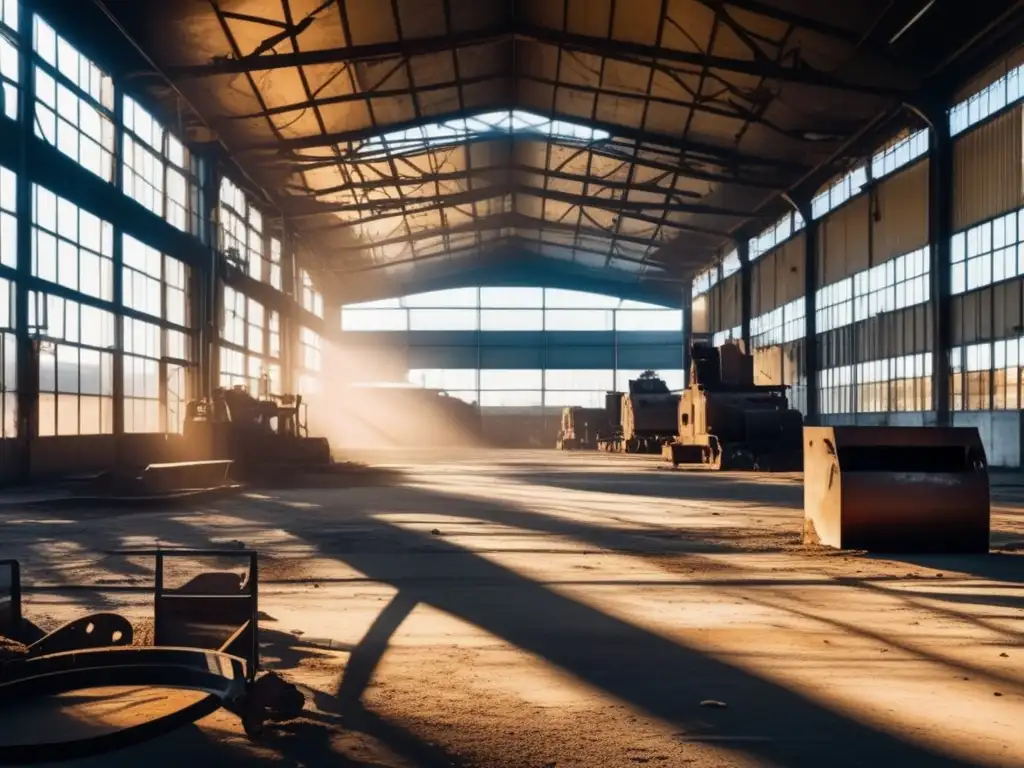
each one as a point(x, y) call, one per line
point(843, 242)
point(900, 213)
point(789, 270)
point(442, 357)
point(1007, 319)
point(987, 175)
point(585, 358)
point(762, 284)
point(989, 75)
point(730, 307)
point(511, 358)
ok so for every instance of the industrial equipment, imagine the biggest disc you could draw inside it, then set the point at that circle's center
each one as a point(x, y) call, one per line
point(725, 421)
point(580, 428)
point(896, 489)
point(205, 640)
point(257, 434)
point(641, 420)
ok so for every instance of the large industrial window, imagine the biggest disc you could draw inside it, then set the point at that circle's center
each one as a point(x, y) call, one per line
point(780, 325)
point(8, 218)
point(775, 235)
point(74, 102)
point(579, 319)
point(836, 389)
point(731, 263)
point(987, 253)
point(839, 191)
point(8, 362)
point(989, 100)
point(895, 284)
point(142, 348)
point(1006, 375)
point(730, 334)
point(312, 299)
point(156, 355)
point(241, 230)
point(511, 319)
point(274, 265)
point(911, 383)
point(10, 73)
point(648, 320)
point(71, 247)
point(251, 345)
point(704, 281)
point(898, 153)
point(311, 361)
point(75, 366)
point(834, 305)
point(159, 172)
point(509, 309)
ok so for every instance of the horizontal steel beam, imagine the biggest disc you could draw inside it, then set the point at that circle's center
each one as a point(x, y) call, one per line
point(725, 156)
point(604, 47)
point(349, 54)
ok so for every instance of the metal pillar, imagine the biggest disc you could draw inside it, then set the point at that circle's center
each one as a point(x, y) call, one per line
point(746, 286)
point(27, 360)
point(203, 300)
point(117, 385)
point(811, 366)
point(940, 232)
point(687, 331)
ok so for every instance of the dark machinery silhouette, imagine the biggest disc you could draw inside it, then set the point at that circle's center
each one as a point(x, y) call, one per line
point(726, 421)
point(581, 428)
point(641, 420)
point(256, 434)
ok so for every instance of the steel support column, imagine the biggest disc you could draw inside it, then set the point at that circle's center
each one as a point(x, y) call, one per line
point(687, 329)
point(117, 385)
point(27, 355)
point(203, 300)
point(746, 288)
point(811, 367)
point(940, 232)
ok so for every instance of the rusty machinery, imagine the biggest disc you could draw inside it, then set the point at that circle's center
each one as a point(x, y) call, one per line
point(640, 420)
point(257, 434)
point(726, 421)
point(581, 428)
point(205, 639)
point(896, 489)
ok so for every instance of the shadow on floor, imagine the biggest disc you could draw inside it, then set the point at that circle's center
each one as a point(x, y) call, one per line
point(663, 678)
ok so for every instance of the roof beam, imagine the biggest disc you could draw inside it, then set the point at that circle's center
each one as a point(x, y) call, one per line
point(615, 49)
point(626, 50)
point(710, 152)
point(348, 54)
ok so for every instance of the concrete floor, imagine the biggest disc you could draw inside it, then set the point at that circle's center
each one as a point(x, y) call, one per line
point(533, 609)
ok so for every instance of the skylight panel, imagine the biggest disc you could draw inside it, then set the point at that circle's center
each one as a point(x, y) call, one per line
point(436, 135)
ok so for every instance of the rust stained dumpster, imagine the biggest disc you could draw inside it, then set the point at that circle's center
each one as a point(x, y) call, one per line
point(896, 489)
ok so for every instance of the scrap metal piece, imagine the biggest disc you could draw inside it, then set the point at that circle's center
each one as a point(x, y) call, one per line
point(213, 611)
point(10, 599)
point(220, 676)
point(98, 630)
point(896, 489)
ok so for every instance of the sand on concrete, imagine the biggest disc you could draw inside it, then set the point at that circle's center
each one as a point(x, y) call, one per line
point(519, 609)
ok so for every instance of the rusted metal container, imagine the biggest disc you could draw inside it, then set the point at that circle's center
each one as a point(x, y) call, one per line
point(896, 489)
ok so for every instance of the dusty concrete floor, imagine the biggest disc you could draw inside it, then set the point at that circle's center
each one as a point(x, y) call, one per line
point(538, 609)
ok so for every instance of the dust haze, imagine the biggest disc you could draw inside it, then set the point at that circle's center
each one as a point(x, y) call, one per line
point(365, 403)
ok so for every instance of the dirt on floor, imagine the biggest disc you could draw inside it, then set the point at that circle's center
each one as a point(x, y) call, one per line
point(538, 609)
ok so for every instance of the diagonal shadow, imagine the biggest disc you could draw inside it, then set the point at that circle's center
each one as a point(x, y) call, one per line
point(664, 678)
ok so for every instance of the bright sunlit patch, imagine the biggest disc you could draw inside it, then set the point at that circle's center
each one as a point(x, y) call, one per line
point(434, 135)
